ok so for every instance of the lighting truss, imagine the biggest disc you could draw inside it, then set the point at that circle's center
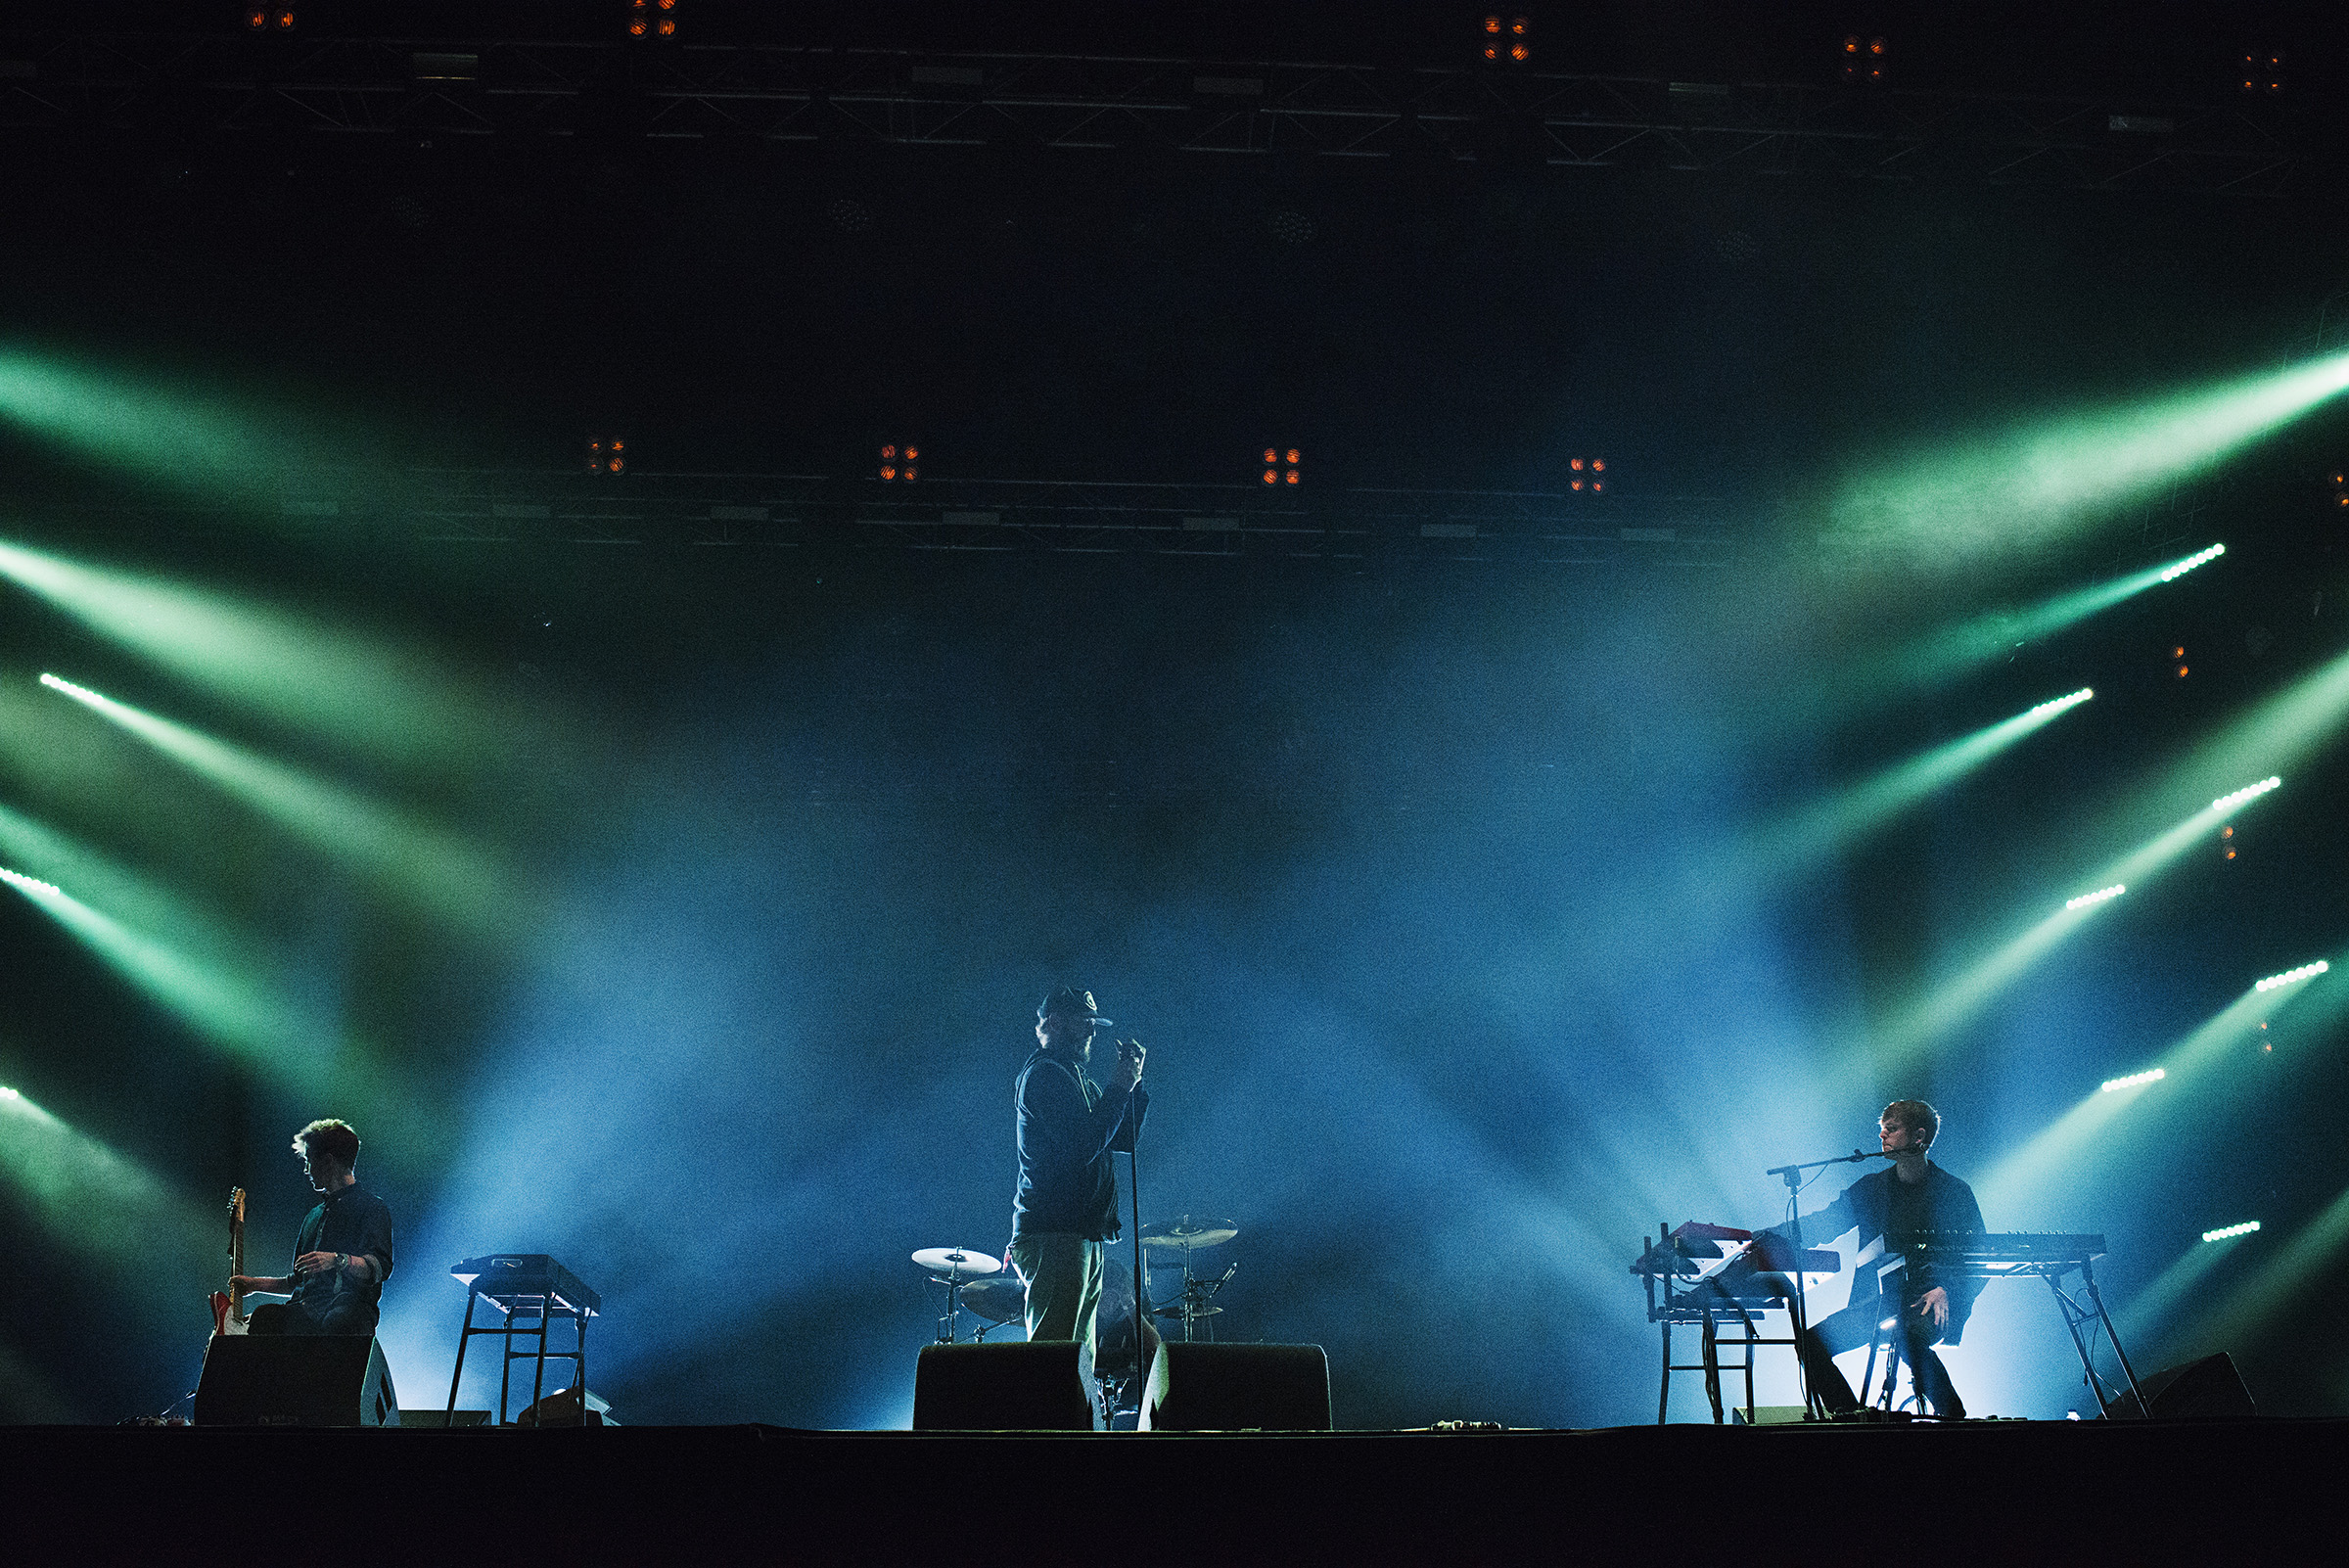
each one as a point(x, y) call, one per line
point(784, 94)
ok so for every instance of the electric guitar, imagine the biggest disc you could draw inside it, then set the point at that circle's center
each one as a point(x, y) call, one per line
point(228, 1306)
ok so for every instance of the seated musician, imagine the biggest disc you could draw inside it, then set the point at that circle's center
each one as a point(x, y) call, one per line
point(1915, 1195)
point(342, 1254)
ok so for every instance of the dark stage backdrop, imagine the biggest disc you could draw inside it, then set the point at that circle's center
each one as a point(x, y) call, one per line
point(1449, 894)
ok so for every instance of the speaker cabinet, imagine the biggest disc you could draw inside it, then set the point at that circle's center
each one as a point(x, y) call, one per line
point(1238, 1387)
point(274, 1380)
point(2207, 1390)
point(1001, 1388)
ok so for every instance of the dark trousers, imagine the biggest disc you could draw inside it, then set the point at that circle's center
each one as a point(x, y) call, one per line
point(1854, 1326)
point(296, 1318)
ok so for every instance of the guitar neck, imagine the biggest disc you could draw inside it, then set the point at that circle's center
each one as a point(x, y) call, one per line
point(236, 1251)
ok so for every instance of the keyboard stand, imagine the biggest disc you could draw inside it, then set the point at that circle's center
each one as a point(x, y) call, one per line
point(531, 1293)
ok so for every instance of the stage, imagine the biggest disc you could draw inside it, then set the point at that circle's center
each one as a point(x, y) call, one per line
point(2005, 1490)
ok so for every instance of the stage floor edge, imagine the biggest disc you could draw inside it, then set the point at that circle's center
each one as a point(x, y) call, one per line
point(2022, 1491)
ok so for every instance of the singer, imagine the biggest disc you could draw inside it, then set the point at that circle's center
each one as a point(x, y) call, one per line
point(1883, 1205)
point(1065, 1208)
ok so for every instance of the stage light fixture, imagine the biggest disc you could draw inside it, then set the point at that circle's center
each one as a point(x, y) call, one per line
point(2249, 792)
point(898, 462)
point(1864, 59)
point(2294, 976)
point(1275, 457)
point(2100, 895)
point(653, 19)
point(2198, 558)
point(2152, 1075)
point(607, 455)
point(2262, 72)
point(28, 885)
point(256, 18)
point(2230, 1232)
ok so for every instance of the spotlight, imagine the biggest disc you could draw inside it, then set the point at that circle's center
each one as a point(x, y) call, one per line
point(2100, 895)
point(653, 19)
point(256, 18)
point(1275, 457)
point(2152, 1075)
point(607, 455)
point(2249, 792)
point(2262, 72)
point(2056, 704)
point(2229, 1232)
point(2198, 558)
point(898, 462)
point(1863, 59)
point(2291, 976)
point(31, 884)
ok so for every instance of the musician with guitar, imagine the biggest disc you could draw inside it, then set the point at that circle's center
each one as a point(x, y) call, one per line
point(342, 1254)
point(1914, 1196)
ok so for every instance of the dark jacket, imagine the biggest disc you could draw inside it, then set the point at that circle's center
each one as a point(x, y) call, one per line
point(355, 1220)
point(1866, 1205)
point(1067, 1128)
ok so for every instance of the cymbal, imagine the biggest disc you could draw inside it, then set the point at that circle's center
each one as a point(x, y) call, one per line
point(960, 1262)
point(1175, 1310)
point(1186, 1231)
point(1002, 1300)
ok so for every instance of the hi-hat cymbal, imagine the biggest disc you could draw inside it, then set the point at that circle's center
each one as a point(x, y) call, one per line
point(960, 1262)
point(1188, 1231)
point(1001, 1300)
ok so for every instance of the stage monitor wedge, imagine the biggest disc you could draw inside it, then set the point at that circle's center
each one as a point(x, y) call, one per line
point(1017, 1386)
point(2207, 1390)
point(1238, 1387)
point(270, 1380)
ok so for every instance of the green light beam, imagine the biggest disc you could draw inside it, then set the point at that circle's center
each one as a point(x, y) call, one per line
point(388, 702)
point(1861, 810)
point(2051, 1161)
point(1957, 650)
point(2276, 734)
point(224, 1007)
point(106, 1208)
point(2282, 1283)
point(1955, 501)
point(440, 875)
point(1900, 1042)
point(193, 442)
point(52, 855)
point(2158, 1303)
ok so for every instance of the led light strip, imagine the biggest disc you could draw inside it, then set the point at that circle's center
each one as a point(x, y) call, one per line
point(2151, 1075)
point(2225, 1233)
point(2194, 560)
point(2304, 972)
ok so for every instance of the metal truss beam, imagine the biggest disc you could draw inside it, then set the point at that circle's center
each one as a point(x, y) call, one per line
point(462, 507)
point(381, 86)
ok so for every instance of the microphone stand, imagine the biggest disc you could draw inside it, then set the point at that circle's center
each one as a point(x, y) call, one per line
point(1792, 1175)
point(1141, 1304)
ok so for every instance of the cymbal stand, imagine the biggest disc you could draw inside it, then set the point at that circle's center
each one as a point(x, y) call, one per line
point(953, 1280)
point(1191, 1303)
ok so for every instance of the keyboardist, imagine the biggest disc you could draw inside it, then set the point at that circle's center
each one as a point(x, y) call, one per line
point(1915, 1195)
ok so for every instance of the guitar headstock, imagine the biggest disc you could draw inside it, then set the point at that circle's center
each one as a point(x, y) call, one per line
point(236, 1204)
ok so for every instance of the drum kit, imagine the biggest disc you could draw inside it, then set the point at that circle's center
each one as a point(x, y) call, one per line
point(981, 1285)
